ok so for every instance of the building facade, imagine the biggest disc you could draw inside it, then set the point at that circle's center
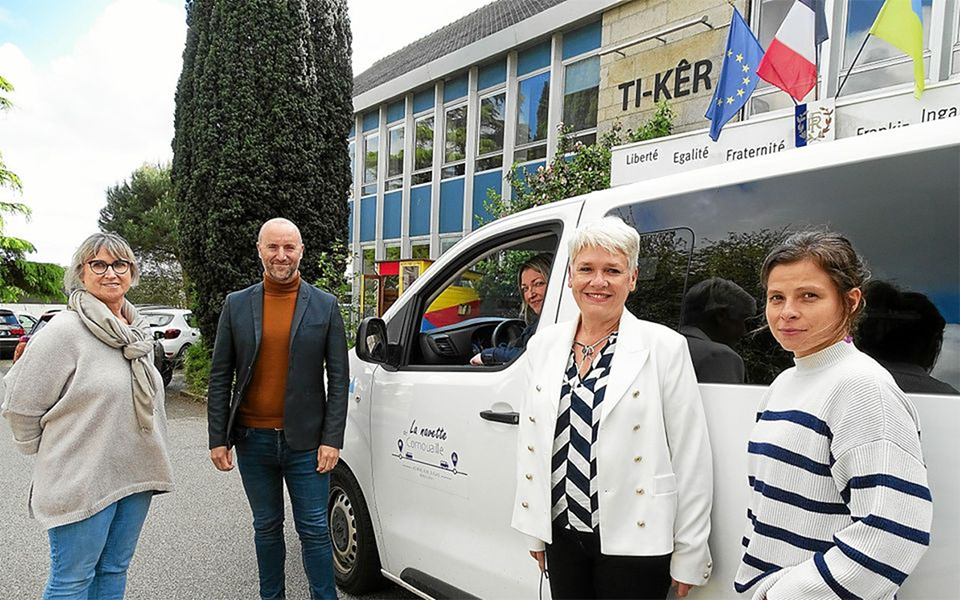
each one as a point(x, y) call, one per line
point(439, 123)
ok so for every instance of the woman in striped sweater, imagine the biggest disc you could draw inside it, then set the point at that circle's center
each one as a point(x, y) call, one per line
point(840, 505)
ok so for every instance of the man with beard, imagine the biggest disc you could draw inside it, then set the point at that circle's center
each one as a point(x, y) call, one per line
point(267, 397)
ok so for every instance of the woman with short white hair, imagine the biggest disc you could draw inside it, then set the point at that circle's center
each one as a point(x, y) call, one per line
point(614, 471)
point(86, 399)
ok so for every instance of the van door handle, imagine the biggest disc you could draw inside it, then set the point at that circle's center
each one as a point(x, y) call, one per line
point(510, 418)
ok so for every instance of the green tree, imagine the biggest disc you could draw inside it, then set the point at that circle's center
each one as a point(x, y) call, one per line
point(141, 210)
point(19, 277)
point(263, 110)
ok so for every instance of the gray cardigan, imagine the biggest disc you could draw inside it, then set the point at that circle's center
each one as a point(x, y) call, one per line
point(69, 400)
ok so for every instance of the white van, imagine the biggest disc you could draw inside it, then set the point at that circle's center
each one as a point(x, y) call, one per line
point(423, 492)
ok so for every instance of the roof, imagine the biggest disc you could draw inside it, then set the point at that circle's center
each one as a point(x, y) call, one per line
point(479, 24)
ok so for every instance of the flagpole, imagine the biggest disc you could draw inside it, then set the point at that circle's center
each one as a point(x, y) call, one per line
point(816, 85)
point(855, 58)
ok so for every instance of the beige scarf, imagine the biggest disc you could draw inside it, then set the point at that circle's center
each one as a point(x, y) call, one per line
point(135, 340)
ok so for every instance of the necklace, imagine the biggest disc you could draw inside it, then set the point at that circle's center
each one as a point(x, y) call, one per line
point(587, 349)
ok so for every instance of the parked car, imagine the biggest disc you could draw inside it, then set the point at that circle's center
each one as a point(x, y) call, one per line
point(27, 320)
point(10, 332)
point(175, 328)
point(31, 331)
point(160, 360)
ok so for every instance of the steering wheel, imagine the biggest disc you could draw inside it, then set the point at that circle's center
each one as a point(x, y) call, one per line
point(506, 331)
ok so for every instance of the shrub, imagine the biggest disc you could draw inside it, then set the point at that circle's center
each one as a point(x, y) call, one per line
point(196, 367)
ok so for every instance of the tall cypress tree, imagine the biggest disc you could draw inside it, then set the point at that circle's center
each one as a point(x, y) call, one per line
point(263, 110)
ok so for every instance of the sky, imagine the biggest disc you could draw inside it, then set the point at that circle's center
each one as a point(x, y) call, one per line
point(94, 99)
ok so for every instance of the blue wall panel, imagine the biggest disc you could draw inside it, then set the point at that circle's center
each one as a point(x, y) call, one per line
point(368, 219)
point(581, 40)
point(396, 111)
point(533, 59)
point(451, 206)
point(420, 210)
point(392, 206)
point(455, 88)
point(492, 74)
point(490, 179)
point(531, 168)
point(423, 100)
point(371, 120)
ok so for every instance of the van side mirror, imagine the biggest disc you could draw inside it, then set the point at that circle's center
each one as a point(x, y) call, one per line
point(372, 340)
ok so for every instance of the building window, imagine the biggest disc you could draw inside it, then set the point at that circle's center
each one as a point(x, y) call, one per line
point(880, 64)
point(394, 159)
point(581, 95)
point(352, 151)
point(490, 141)
point(532, 116)
point(371, 149)
point(423, 150)
point(956, 44)
point(391, 252)
point(420, 250)
point(370, 284)
point(455, 142)
point(448, 242)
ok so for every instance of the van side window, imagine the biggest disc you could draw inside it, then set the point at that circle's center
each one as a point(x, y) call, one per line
point(478, 307)
point(663, 265)
point(901, 212)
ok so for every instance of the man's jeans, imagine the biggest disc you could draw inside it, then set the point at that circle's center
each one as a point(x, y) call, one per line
point(266, 462)
point(89, 558)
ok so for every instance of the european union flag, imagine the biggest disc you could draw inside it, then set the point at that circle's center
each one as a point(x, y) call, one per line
point(738, 75)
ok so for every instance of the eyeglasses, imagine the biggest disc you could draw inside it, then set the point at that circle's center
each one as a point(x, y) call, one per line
point(99, 267)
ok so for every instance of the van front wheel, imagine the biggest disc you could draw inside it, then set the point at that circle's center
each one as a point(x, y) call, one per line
point(355, 559)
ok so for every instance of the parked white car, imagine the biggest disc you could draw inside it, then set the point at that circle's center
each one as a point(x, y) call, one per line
point(175, 328)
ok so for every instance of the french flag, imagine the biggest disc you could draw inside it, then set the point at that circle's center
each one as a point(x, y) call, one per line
point(790, 62)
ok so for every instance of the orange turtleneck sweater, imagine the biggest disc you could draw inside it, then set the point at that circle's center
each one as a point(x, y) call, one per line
point(263, 405)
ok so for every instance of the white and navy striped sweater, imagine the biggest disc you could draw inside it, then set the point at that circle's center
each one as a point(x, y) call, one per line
point(840, 505)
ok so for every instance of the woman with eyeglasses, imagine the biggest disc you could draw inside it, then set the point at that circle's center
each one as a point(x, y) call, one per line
point(86, 399)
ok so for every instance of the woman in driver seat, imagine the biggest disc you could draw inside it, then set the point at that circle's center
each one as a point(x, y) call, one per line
point(532, 280)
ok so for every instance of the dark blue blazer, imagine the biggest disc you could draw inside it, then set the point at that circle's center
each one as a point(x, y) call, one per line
point(313, 414)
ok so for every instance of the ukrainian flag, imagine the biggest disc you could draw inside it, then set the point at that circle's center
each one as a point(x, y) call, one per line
point(900, 22)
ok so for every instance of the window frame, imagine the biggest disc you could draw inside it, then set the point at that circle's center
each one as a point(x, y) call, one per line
point(446, 166)
point(352, 154)
point(485, 94)
point(425, 173)
point(411, 314)
point(955, 46)
point(367, 187)
point(574, 136)
point(395, 181)
point(526, 147)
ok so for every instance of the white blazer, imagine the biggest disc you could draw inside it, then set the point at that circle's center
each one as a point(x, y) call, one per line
point(654, 467)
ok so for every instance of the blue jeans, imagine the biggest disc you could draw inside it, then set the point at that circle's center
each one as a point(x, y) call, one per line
point(266, 462)
point(89, 558)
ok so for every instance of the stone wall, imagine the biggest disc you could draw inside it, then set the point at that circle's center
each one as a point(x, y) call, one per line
point(683, 70)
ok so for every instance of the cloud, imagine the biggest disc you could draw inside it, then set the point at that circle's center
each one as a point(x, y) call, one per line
point(381, 28)
point(84, 121)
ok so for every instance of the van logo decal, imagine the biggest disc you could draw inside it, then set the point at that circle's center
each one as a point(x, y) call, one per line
point(427, 446)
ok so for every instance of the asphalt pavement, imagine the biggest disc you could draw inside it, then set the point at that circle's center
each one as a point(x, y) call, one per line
point(197, 543)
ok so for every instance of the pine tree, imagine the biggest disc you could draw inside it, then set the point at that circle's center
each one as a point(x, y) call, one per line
point(263, 110)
